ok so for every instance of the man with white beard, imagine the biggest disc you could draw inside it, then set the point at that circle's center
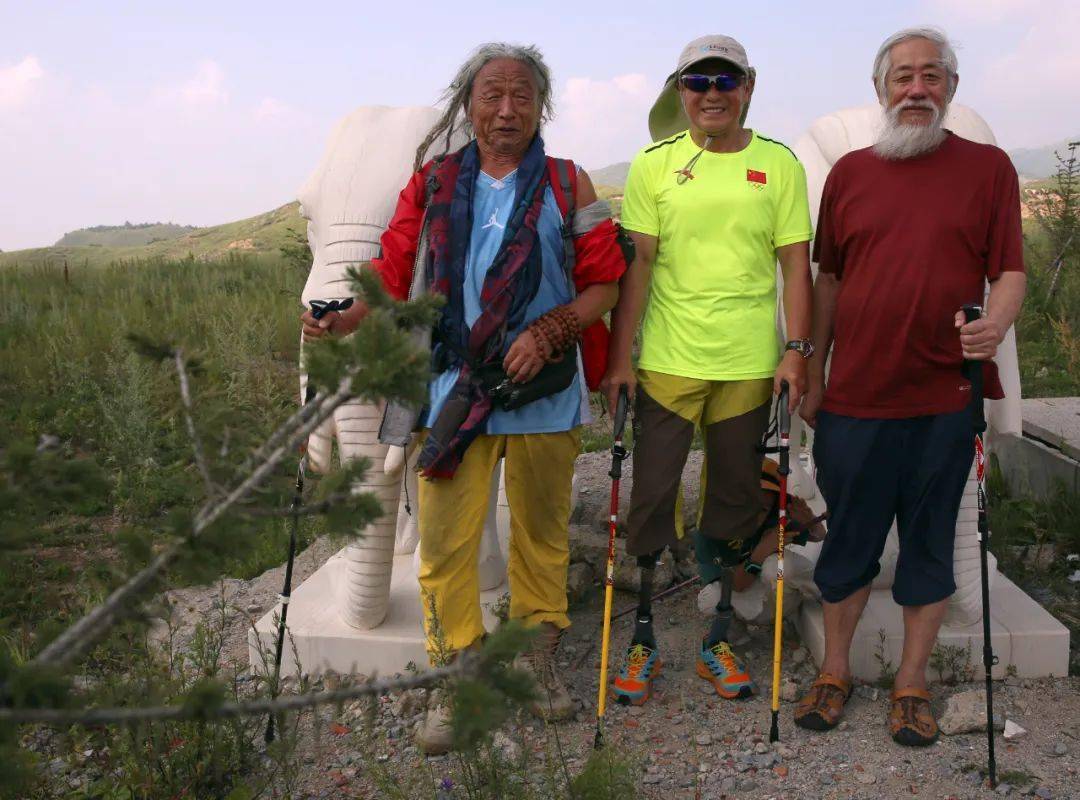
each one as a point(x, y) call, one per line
point(909, 231)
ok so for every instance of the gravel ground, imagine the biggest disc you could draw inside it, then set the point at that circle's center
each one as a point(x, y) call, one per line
point(692, 744)
point(688, 742)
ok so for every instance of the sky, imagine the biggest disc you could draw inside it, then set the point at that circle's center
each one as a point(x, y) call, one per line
point(201, 113)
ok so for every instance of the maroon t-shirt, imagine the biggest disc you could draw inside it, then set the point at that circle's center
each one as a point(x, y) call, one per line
point(911, 241)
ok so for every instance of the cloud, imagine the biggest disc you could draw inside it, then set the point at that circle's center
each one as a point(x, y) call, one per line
point(1044, 56)
point(601, 121)
point(208, 157)
point(17, 82)
point(271, 107)
point(204, 89)
point(1038, 62)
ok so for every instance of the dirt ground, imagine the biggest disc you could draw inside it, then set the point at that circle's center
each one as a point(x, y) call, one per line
point(689, 742)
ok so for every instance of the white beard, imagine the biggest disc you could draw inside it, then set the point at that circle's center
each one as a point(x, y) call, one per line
point(899, 141)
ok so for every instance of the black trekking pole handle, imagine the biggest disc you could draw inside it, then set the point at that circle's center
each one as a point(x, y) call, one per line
point(974, 373)
point(319, 309)
point(618, 452)
point(621, 407)
point(783, 415)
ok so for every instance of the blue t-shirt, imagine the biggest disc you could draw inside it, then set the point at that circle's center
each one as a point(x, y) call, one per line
point(493, 201)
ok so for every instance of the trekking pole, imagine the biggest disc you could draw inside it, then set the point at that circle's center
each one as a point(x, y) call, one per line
point(618, 453)
point(319, 309)
point(973, 372)
point(783, 417)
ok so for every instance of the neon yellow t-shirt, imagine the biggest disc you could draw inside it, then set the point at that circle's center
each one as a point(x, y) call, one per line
point(711, 312)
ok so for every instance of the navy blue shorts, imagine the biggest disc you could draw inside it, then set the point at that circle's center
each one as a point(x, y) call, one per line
point(871, 471)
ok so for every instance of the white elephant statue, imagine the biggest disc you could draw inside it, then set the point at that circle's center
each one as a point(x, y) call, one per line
point(348, 202)
point(827, 139)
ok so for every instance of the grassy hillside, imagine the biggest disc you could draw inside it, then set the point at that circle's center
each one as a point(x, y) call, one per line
point(67, 370)
point(126, 235)
point(1039, 162)
point(611, 175)
point(264, 233)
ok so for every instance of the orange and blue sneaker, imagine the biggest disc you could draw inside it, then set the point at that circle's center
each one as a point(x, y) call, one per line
point(725, 671)
point(633, 684)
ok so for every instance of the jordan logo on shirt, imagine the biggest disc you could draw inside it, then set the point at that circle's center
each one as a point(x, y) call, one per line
point(493, 222)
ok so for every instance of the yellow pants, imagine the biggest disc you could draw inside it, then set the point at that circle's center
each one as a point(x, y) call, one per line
point(539, 469)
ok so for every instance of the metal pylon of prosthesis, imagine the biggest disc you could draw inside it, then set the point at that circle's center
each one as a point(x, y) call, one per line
point(724, 612)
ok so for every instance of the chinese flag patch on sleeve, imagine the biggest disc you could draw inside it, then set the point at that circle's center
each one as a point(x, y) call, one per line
point(754, 176)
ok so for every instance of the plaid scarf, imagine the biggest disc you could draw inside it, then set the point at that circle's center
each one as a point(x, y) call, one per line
point(510, 283)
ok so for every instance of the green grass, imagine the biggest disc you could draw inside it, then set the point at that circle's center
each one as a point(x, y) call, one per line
point(1048, 328)
point(262, 234)
point(67, 370)
point(1031, 540)
point(126, 235)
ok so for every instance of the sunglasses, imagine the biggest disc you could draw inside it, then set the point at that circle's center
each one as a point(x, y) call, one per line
point(724, 82)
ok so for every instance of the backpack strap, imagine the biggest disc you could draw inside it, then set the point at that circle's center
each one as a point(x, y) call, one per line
point(562, 174)
point(418, 285)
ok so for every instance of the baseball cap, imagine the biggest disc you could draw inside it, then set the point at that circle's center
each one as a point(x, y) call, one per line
point(667, 116)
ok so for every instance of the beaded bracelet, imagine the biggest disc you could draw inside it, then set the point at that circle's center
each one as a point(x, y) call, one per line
point(559, 329)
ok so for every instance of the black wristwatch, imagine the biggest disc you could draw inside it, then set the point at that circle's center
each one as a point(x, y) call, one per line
point(804, 347)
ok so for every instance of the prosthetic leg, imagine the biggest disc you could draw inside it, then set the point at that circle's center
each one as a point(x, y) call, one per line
point(716, 662)
point(643, 629)
point(724, 613)
point(633, 684)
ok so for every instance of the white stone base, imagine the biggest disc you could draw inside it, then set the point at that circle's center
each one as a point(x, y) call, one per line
point(1023, 635)
point(323, 640)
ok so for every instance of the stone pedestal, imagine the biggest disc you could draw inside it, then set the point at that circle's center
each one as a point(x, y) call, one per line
point(323, 640)
point(1023, 635)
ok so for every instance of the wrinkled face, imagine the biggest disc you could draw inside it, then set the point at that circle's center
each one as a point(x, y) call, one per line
point(916, 79)
point(715, 111)
point(504, 107)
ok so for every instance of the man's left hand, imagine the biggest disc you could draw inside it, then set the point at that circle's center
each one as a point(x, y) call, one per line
point(525, 358)
point(793, 370)
point(979, 340)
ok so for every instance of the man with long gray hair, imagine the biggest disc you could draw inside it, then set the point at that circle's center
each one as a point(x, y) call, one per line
point(528, 262)
point(909, 231)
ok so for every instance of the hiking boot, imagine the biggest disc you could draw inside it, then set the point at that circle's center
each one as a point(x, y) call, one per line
point(725, 671)
point(911, 722)
point(434, 737)
point(820, 708)
point(553, 702)
point(633, 684)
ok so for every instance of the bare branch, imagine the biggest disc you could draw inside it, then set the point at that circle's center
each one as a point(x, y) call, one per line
point(464, 665)
point(78, 638)
point(196, 443)
point(300, 511)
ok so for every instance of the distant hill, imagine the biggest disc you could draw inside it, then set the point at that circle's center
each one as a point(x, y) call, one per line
point(126, 235)
point(1039, 162)
point(264, 233)
point(611, 175)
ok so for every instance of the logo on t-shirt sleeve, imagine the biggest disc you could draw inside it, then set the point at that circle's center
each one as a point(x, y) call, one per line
point(755, 176)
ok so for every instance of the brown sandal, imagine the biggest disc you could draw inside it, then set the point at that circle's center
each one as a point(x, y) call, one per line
point(911, 722)
point(821, 707)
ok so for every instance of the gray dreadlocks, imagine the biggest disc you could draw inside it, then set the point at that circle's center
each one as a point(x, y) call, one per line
point(459, 91)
